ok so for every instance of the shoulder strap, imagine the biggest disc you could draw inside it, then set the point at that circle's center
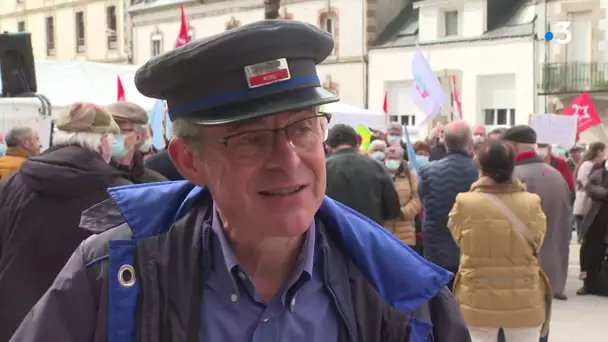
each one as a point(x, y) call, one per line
point(519, 226)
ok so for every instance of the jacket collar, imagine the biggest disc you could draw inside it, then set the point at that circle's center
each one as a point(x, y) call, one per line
point(17, 152)
point(381, 257)
point(486, 184)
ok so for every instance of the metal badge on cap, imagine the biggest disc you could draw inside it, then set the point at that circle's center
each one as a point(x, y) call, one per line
point(265, 73)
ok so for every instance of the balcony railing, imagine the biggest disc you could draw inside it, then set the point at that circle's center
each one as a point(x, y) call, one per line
point(80, 45)
point(112, 42)
point(573, 77)
point(50, 48)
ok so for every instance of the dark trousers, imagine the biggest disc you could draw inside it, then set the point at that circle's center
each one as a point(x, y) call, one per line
point(454, 270)
point(593, 252)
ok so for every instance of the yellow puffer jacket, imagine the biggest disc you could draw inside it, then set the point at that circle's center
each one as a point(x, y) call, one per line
point(403, 226)
point(12, 160)
point(499, 282)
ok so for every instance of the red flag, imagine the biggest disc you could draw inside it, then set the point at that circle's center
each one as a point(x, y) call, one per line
point(121, 90)
point(583, 107)
point(183, 38)
point(385, 108)
point(456, 97)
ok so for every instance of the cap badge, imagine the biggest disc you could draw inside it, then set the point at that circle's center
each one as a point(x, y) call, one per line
point(265, 73)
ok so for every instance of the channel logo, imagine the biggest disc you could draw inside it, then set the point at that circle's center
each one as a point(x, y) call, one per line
point(563, 35)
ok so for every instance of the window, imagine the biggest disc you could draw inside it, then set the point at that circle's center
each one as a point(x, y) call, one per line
point(80, 34)
point(408, 120)
point(329, 25)
point(21, 26)
point(50, 36)
point(157, 44)
point(328, 20)
point(111, 27)
point(451, 23)
point(499, 117)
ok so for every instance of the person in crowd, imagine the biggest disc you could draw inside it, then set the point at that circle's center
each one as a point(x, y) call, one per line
point(22, 142)
point(559, 163)
point(594, 229)
point(374, 195)
point(596, 154)
point(479, 133)
point(394, 134)
point(161, 162)
point(500, 285)
point(575, 158)
point(147, 148)
point(40, 208)
point(496, 133)
point(439, 150)
point(406, 183)
point(377, 150)
point(545, 181)
point(260, 252)
point(422, 150)
point(126, 156)
point(2, 144)
point(440, 182)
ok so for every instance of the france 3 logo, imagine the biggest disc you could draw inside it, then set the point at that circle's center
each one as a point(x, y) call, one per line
point(562, 35)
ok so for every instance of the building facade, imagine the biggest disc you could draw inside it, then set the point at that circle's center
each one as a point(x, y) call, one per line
point(353, 23)
point(69, 29)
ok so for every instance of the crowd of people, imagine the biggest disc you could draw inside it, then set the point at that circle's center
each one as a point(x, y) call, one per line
point(284, 229)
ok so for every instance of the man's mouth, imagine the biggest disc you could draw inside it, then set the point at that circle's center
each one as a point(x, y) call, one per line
point(283, 191)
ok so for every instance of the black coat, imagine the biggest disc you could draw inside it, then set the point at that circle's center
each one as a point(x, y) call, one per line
point(161, 163)
point(362, 184)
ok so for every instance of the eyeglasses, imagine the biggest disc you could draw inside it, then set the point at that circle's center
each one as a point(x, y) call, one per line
point(302, 134)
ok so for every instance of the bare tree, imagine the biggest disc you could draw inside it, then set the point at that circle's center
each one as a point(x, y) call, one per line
point(271, 9)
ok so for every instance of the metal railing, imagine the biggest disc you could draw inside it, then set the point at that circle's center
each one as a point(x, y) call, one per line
point(80, 45)
point(573, 77)
point(50, 48)
point(112, 42)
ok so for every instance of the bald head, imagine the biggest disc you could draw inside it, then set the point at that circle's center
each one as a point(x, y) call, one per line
point(457, 136)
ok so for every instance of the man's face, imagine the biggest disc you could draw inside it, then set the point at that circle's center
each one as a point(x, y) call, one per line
point(1, 138)
point(132, 136)
point(494, 136)
point(34, 145)
point(440, 132)
point(276, 189)
point(577, 156)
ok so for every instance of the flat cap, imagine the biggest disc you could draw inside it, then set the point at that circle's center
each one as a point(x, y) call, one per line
point(128, 111)
point(520, 134)
point(263, 68)
point(85, 117)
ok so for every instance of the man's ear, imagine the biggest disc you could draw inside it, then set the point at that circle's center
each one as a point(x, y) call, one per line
point(184, 158)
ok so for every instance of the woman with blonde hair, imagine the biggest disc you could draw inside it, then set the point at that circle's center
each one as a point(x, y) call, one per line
point(406, 183)
point(500, 227)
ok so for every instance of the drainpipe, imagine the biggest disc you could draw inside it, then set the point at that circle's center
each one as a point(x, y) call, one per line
point(534, 65)
point(364, 59)
point(547, 29)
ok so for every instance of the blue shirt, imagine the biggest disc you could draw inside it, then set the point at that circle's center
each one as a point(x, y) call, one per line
point(232, 310)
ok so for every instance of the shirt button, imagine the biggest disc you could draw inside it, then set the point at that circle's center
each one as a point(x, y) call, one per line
point(234, 297)
point(242, 275)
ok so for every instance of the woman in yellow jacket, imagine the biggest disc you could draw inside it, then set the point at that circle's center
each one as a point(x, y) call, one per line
point(500, 227)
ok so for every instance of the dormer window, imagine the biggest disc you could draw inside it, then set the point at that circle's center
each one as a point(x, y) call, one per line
point(451, 23)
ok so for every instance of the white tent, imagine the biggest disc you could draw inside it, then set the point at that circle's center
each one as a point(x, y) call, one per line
point(343, 113)
point(66, 82)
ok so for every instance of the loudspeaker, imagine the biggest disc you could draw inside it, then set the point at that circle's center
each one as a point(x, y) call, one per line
point(17, 66)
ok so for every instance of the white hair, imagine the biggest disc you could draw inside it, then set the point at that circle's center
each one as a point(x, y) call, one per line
point(87, 140)
point(377, 144)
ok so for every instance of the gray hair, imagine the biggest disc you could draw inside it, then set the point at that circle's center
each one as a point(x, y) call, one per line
point(396, 149)
point(16, 134)
point(394, 125)
point(457, 136)
point(377, 144)
point(87, 140)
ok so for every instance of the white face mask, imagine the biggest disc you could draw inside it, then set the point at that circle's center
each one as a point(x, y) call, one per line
point(146, 146)
point(478, 138)
point(542, 152)
point(606, 165)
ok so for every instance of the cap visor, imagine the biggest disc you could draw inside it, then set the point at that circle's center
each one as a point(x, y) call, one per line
point(269, 105)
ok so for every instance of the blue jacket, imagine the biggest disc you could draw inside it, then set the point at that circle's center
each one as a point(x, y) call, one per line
point(440, 182)
point(400, 276)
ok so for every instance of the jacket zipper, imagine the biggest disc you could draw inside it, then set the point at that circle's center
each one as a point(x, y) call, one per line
point(335, 299)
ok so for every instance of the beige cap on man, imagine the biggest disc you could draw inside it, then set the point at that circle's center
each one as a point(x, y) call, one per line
point(85, 117)
point(128, 111)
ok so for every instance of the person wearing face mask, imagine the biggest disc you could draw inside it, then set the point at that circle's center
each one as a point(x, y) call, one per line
point(126, 155)
point(41, 204)
point(2, 144)
point(557, 162)
point(406, 183)
point(377, 150)
point(439, 151)
point(147, 148)
point(479, 133)
point(422, 150)
point(23, 142)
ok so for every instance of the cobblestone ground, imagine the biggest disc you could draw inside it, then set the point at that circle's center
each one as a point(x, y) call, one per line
point(581, 318)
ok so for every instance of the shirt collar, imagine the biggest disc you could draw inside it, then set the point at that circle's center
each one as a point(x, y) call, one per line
point(305, 261)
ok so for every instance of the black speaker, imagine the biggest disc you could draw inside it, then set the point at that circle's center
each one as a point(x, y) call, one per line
point(17, 66)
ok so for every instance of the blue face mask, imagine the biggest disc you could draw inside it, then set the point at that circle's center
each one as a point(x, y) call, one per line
point(392, 138)
point(378, 156)
point(2, 149)
point(392, 164)
point(118, 147)
point(422, 160)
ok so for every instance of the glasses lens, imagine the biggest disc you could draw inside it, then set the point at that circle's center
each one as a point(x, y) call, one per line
point(308, 133)
point(250, 144)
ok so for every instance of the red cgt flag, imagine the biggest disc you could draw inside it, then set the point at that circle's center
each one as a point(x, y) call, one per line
point(121, 90)
point(183, 38)
point(583, 107)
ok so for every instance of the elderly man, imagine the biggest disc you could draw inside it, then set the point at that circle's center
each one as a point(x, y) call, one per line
point(377, 150)
point(479, 133)
point(559, 163)
point(126, 157)
point(440, 182)
point(496, 133)
point(259, 254)
point(22, 142)
point(40, 208)
point(2, 144)
point(548, 183)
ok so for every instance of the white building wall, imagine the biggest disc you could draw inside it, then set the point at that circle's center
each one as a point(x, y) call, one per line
point(483, 58)
point(346, 69)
